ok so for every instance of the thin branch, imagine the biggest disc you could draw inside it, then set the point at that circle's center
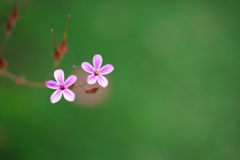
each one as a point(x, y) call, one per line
point(4, 44)
point(55, 66)
point(81, 85)
point(34, 84)
point(21, 81)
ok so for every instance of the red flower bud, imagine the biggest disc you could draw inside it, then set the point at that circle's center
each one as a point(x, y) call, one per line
point(3, 64)
point(63, 47)
point(14, 15)
point(91, 91)
point(9, 24)
point(56, 55)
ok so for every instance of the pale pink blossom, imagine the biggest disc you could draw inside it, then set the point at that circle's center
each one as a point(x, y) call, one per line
point(96, 71)
point(61, 87)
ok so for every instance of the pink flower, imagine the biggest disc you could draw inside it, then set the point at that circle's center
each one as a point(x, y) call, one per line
point(61, 87)
point(97, 71)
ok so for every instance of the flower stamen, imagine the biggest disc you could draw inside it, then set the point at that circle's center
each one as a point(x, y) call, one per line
point(61, 87)
point(96, 72)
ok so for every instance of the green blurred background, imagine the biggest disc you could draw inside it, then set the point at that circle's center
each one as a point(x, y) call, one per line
point(174, 93)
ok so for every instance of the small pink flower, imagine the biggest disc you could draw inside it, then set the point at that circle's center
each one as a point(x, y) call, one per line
point(61, 87)
point(97, 71)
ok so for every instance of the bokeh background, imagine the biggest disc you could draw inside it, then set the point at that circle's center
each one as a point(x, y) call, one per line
point(174, 93)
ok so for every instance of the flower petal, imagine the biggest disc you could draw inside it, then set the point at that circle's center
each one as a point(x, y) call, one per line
point(91, 79)
point(71, 80)
point(52, 84)
point(97, 61)
point(69, 95)
point(56, 96)
point(108, 68)
point(87, 67)
point(102, 81)
point(59, 76)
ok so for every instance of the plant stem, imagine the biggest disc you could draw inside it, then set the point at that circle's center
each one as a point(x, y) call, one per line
point(56, 64)
point(4, 44)
point(22, 81)
point(81, 85)
point(34, 84)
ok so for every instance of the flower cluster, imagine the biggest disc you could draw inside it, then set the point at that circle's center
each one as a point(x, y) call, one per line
point(62, 86)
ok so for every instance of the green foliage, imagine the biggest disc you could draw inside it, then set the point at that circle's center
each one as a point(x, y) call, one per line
point(174, 93)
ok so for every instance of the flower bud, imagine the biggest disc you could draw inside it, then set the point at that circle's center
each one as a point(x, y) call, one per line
point(9, 24)
point(3, 64)
point(91, 91)
point(63, 46)
point(56, 55)
point(14, 15)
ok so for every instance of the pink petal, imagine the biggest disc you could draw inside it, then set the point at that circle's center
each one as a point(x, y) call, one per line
point(56, 96)
point(91, 79)
point(59, 76)
point(102, 81)
point(52, 84)
point(71, 80)
point(97, 61)
point(108, 68)
point(87, 67)
point(69, 95)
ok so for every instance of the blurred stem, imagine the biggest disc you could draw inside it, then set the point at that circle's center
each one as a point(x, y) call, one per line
point(21, 81)
point(34, 84)
point(81, 85)
point(74, 67)
point(56, 64)
point(4, 44)
point(1, 30)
